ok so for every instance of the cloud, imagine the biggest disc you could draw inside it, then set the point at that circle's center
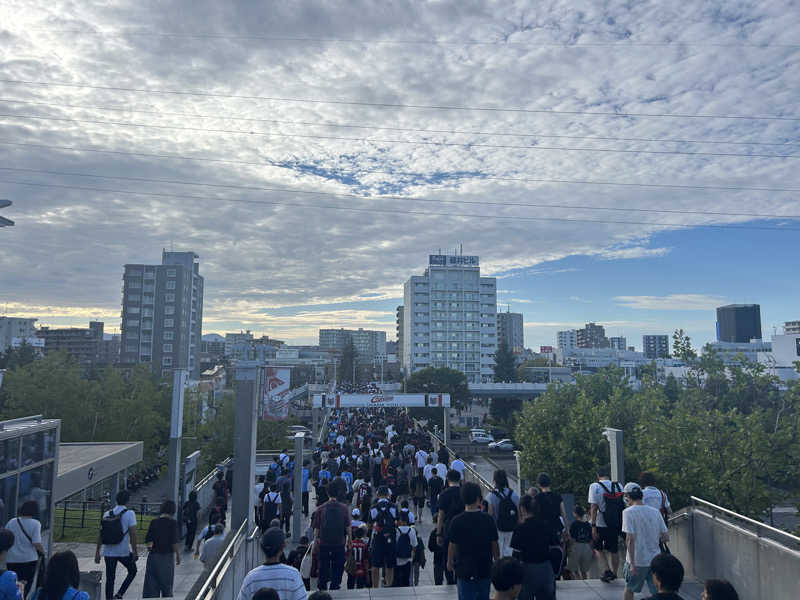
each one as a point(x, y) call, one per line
point(634, 252)
point(672, 302)
point(579, 299)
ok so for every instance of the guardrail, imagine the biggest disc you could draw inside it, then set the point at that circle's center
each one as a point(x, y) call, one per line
point(241, 554)
point(761, 530)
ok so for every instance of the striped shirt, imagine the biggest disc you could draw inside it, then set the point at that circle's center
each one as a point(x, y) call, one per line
point(282, 578)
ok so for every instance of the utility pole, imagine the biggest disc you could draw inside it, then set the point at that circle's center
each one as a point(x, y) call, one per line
point(179, 380)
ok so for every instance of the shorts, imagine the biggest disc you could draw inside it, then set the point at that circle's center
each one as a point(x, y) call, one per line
point(635, 582)
point(607, 539)
point(383, 553)
point(580, 557)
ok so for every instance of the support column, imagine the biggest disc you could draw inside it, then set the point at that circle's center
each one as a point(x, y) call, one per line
point(446, 424)
point(179, 379)
point(314, 425)
point(297, 520)
point(617, 456)
point(249, 388)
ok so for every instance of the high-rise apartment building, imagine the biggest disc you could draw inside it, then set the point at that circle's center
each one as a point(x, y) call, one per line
point(15, 327)
point(618, 343)
point(162, 314)
point(567, 339)
point(369, 344)
point(791, 327)
point(511, 330)
point(739, 323)
point(592, 336)
point(399, 334)
point(655, 346)
point(88, 346)
point(450, 318)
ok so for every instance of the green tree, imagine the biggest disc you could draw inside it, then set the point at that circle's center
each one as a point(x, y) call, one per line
point(505, 410)
point(438, 381)
point(14, 358)
point(504, 370)
point(682, 346)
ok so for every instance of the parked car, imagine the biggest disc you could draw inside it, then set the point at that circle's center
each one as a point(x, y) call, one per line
point(504, 445)
point(477, 437)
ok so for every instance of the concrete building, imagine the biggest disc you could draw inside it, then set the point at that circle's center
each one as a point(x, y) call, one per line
point(15, 327)
point(88, 346)
point(236, 338)
point(730, 352)
point(567, 339)
point(791, 327)
point(510, 330)
point(399, 333)
point(368, 344)
point(739, 323)
point(655, 346)
point(162, 314)
point(450, 318)
point(592, 336)
point(618, 343)
point(784, 352)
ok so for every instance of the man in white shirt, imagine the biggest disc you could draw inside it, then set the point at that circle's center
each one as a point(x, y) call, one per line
point(282, 578)
point(604, 539)
point(429, 466)
point(118, 520)
point(441, 470)
point(644, 530)
point(257, 489)
point(458, 465)
point(652, 495)
point(422, 458)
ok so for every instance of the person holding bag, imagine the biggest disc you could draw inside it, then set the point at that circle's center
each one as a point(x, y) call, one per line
point(27, 552)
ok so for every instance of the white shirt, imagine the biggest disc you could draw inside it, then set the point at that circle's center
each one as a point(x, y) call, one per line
point(412, 535)
point(421, 456)
point(256, 491)
point(441, 471)
point(458, 465)
point(282, 578)
point(339, 441)
point(124, 547)
point(426, 471)
point(652, 497)
point(596, 497)
point(646, 524)
point(274, 497)
point(211, 548)
point(23, 550)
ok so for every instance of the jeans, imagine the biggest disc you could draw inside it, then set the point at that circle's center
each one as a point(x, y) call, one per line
point(111, 574)
point(331, 566)
point(159, 574)
point(473, 589)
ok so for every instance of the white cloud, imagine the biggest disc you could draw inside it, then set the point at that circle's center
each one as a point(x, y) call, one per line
point(579, 299)
point(634, 252)
point(672, 302)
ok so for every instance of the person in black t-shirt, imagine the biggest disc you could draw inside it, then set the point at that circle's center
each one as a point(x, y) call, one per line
point(552, 505)
point(435, 485)
point(531, 542)
point(450, 504)
point(162, 535)
point(472, 546)
point(668, 576)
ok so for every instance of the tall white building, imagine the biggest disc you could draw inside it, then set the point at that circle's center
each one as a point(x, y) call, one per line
point(369, 344)
point(568, 339)
point(16, 327)
point(450, 318)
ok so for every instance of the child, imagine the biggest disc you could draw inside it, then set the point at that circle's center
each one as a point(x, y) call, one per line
point(296, 559)
point(580, 554)
point(507, 576)
point(357, 577)
point(406, 543)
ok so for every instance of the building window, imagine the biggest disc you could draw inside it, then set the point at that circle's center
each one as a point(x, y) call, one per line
point(134, 284)
point(169, 323)
point(167, 361)
point(166, 348)
point(169, 297)
point(131, 348)
point(168, 335)
point(169, 310)
point(132, 323)
point(171, 272)
point(133, 297)
point(133, 310)
point(170, 285)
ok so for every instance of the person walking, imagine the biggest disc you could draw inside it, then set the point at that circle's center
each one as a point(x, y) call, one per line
point(306, 474)
point(644, 530)
point(406, 543)
point(331, 523)
point(27, 551)
point(450, 504)
point(532, 539)
point(383, 549)
point(579, 560)
point(472, 545)
point(503, 506)
point(213, 545)
point(117, 538)
point(189, 515)
point(285, 580)
point(286, 506)
point(419, 490)
point(63, 578)
point(439, 558)
point(605, 516)
point(653, 496)
point(667, 576)
point(435, 486)
point(162, 535)
point(10, 587)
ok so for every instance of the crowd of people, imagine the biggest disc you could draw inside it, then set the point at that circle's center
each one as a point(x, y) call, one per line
point(378, 479)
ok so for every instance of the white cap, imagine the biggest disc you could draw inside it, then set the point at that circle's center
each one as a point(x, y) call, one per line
point(630, 486)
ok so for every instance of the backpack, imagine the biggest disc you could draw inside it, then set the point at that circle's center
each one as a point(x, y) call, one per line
point(419, 487)
point(363, 492)
point(332, 524)
point(384, 521)
point(404, 545)
point(271, 477)
point(270, 510)
point(507, 515)
point(111, 532)
point(614, 505)
point(582, 532)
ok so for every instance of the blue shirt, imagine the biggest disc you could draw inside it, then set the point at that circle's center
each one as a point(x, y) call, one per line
point(324, 474)
point(305, 476)
point(8, 586)
point(348, 477)
point(73, 594)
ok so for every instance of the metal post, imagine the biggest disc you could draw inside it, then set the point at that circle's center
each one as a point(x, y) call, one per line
point(297, 520)
point(314, 423)
point(446, 424)
point(614, 437)
point(249, 388)
point(179, 379)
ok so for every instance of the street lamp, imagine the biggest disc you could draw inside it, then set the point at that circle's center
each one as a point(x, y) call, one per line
point(3, 221)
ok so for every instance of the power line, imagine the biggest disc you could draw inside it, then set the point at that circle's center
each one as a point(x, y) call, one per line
point(393, 211)
point(385, 128)
point(409, 142)
point(409, 173)
point(549, 111)
point(402, 198)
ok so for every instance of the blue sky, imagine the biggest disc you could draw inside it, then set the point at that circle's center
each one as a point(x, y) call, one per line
point(306, 152)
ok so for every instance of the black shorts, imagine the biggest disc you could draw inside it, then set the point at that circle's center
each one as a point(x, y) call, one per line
point(607, 539)
point(383, 553)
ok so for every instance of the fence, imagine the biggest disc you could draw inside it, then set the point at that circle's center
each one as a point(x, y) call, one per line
point(85, 518)
point(222, 582)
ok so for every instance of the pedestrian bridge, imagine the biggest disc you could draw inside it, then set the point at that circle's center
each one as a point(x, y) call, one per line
point(506, 390)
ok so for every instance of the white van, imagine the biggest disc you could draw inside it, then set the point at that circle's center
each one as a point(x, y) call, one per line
point(480, 437)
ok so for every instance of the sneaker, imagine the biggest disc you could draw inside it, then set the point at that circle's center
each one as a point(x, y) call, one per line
point(607, 577)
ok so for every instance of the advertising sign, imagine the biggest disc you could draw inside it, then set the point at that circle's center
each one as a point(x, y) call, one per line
point(447, 260)
point(388, 400)
point(276, 393)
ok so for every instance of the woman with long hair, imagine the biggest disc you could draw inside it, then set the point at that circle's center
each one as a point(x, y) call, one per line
point(63, 578)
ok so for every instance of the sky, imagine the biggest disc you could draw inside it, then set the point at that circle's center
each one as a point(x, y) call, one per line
point(600, 158)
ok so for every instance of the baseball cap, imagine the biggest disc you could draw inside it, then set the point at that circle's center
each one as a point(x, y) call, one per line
point(272, 541)
point(631, 486)
point(356, 513)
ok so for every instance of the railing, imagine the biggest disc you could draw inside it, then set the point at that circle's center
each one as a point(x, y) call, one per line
point(205, 488)
point(761, 530)
point(323, 430)
point(240, 555)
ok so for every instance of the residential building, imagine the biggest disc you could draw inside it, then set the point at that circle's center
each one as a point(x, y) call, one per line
point(85, 345)
point(450, 318)
point(784, 352)
point(162, 314)
point(739, 323)
point(567, 339)
point(391, 348)
point(399, 333)
point(730, 352)
point(511, 331)
point(15, 327)
point(618, 343)
point(236, 338)
point(791, 327)
point(655, 346)
point(592, 336)
point(368, 344)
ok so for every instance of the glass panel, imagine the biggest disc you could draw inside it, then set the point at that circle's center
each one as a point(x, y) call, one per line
point(36, 484)
point(32, 448)
point(50, 443)
point(8, 498)
point(9, 456)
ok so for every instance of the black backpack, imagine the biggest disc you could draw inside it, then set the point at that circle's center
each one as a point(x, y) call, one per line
point(332, 524)
point(111, 531)
point(507, 515)
point(404, 545)
point(384, 520)
point(614, 505)
point(270, 510)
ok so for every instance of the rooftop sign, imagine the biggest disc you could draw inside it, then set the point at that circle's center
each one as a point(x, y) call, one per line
point(446, 260)
point(390, 400)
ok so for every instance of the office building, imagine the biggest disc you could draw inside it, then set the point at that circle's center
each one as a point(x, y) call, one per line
point(18, 328)
point(162, 314)
point(791, 328)
point(450, 318)
point(739, 323)
point(232, 339)
point(511, 331)
point(655, 346)
point(567, 339)
point(87, 346)
point(399, 333)
point(592, 336)
point(368, 344)
point(731, 353)
point(618, 343)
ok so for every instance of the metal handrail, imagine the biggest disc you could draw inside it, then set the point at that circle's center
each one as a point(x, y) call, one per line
point(223, 564)
point(757, 524)
point(477, 476)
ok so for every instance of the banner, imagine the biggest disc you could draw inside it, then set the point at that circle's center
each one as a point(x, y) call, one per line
point(276, 393)
point(388, 400)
